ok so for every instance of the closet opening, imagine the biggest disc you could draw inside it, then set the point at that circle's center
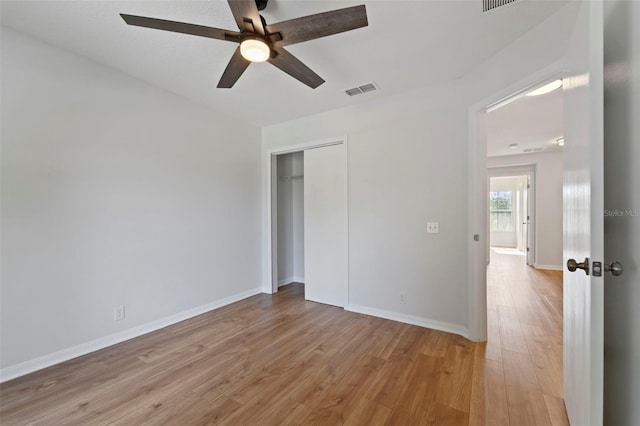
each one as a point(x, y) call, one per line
point(307, 209)
point(289, 190)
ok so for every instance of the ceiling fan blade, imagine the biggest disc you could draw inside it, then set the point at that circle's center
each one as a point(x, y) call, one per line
point(319, 25)
point(234, 70)
point(296, 69)
point(181, 27)
point(247, 16)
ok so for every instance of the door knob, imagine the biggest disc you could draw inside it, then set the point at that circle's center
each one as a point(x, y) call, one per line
point(614, 267)
point(572, 265)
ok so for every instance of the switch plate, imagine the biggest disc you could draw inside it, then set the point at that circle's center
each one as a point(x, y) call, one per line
point(433, 227)
point(118, 313)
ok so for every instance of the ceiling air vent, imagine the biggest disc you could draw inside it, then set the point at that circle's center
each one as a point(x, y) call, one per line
point(487, 5)
point(370, 87)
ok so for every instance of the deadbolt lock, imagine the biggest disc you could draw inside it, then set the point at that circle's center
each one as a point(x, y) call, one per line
point(614, 267)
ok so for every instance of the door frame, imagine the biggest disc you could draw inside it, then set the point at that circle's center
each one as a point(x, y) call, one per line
point(515, 171)
point(477, 211)
point(270, 240)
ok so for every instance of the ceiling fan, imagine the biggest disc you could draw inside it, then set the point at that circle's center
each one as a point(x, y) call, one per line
point(259, 42)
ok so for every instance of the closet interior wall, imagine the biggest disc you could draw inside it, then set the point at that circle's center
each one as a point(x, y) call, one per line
point(290, 218)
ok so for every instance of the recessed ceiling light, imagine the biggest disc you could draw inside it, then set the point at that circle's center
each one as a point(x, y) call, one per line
point(560, 141)
point(513, 145)
point(549, 87)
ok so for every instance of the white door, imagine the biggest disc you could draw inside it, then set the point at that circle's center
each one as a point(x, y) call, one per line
point(583, 218)
point(325, 225)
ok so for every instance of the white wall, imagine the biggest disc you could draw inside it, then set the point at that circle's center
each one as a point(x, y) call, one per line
point(407, 160)
point(290, 193)
point(400, 151)
point(548, 195)
point(115, 192)
point(622, 193)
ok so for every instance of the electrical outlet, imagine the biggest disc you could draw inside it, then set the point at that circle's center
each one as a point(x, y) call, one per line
point(403, 297)
point(118, 313)
point(433, 227)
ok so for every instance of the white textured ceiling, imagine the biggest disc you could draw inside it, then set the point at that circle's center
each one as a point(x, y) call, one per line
point(407, 44)
point(530, 122)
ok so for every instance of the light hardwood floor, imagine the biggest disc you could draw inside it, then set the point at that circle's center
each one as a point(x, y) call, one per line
point(280, 360)
point(518, 371)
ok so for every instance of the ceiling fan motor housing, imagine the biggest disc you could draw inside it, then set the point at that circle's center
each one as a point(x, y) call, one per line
point(261, 4)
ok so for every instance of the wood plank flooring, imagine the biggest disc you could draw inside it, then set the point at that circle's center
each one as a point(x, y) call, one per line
point(518, 371)
point(271, 360)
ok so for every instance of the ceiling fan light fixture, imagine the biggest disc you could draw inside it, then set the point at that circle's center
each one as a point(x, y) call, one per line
point(254, 50)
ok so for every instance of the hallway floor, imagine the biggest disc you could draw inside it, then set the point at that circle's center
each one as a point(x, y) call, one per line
point(520, 367)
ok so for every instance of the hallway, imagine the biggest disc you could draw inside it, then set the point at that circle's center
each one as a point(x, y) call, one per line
point(518, 372)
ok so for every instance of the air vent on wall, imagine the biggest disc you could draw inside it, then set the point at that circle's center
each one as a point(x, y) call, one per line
point(487, 5)
point(370, 87)
point(533, 150)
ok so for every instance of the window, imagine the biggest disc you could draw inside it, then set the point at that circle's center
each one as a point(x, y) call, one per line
point(500, 219)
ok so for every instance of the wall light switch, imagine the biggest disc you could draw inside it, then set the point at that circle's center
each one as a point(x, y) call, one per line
point(118, 313)
point(433, 227)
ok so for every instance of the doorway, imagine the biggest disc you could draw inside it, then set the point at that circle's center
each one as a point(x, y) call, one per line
point(307, 242)
point(511, 201)
point(508, 214)
point(522, 296)
point(523, 300)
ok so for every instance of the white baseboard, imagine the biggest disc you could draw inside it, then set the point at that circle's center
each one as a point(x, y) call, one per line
point(410, 319)
point(287, 281)
point(284, 281)
point(550, 267)
point(39, 363)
